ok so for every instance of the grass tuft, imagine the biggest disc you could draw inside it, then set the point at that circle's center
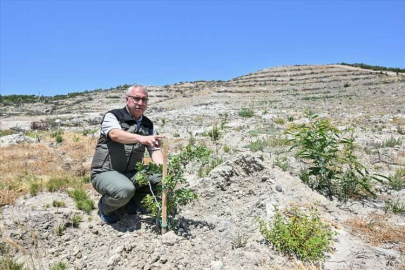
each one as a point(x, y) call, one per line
point(57, 203)
point(246, 113)
point(83, 202)
point(59, 266)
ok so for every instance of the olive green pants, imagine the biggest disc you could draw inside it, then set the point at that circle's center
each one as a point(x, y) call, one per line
point(119, 188)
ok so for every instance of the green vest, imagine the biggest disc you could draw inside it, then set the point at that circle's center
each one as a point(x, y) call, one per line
point(115, 156)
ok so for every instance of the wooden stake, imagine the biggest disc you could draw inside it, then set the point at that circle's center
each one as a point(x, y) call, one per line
point(164, 192)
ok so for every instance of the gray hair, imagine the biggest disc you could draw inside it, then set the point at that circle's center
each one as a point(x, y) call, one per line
point(132, 87)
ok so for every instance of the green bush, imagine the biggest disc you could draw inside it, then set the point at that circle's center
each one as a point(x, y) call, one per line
point(246, 112)
point(303, 236)
point(334, 167)
point(178, 194)
point(59, 139)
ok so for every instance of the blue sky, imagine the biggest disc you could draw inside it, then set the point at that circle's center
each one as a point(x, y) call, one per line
point(57, 47)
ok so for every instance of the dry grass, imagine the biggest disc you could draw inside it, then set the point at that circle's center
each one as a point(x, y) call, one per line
point(23, 164)
point(376, 230)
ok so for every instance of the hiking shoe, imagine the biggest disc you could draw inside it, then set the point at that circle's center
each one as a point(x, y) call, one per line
point(110, 218)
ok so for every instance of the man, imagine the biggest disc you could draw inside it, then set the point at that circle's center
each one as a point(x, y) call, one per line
point(125, 134)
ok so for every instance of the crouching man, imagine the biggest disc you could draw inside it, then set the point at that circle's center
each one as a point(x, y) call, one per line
point(125, 134)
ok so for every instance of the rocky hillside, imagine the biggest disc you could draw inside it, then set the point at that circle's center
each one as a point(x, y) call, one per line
point(246, 123)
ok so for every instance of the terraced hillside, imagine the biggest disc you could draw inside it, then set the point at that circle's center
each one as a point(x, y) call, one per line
point(246, 124)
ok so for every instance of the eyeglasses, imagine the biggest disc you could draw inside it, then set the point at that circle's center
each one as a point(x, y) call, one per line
point(138, 99)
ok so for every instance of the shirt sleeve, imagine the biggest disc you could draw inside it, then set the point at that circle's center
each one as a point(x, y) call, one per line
point(110, 122)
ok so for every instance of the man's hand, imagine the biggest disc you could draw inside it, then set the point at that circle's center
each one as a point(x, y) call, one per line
point(124, 137)
point(151, 140)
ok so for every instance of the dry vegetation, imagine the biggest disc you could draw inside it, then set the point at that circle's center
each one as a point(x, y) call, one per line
point(24, 164)
point(376, 230)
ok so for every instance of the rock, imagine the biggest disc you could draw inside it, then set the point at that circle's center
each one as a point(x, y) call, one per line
point(15, 139)
point(170, 238)
point(386, 252)
point(147, 266)
point(118, 250)
point(114, 259)
point(163, 259)
point(216, 265)
point(279, 188)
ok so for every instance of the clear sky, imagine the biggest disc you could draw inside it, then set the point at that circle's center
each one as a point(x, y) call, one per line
point(57, 47)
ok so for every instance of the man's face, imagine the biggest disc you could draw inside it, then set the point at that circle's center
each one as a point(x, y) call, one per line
point(137, 102)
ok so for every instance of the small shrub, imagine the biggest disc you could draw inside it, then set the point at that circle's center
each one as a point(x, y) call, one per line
point(303, 236)
point(334, 167)
point(76, 219)
point(290, 118)
point(246, 112)
point(279, 121)
point(59, 139)
point(59, 266)
point(226, 148)
point(179, 195)
point(57, 203)
point(176, 135)
point(282, 163)
point(257, 145)
point(59, 229)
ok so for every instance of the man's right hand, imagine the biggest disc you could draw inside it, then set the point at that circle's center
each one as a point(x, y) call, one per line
point(151, 140)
